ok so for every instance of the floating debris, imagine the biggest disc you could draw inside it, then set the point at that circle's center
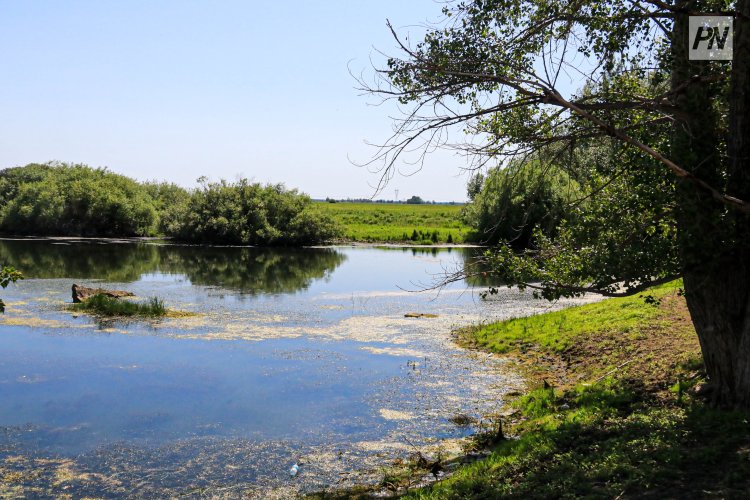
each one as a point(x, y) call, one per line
point(420, 315)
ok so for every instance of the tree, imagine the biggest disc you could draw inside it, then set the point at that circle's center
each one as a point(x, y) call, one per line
point(678, 129)
point(8, 275)
point(514, 201)
point(415, 200)
point(474, 186)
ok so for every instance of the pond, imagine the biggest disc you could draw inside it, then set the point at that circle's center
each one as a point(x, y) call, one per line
point(292, 356)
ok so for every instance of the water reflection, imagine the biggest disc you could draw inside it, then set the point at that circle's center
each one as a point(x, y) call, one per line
point(247, 270)
point(471, 265)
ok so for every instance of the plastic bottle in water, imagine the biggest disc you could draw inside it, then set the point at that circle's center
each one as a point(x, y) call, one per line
point(294, 470)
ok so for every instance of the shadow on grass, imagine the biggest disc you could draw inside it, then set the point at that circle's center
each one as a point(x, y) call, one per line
point(607, 441)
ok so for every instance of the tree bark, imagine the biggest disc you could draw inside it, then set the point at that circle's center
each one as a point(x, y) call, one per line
point(714, 240)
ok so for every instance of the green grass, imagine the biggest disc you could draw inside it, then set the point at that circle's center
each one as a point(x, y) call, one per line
point(557, 331)
point(608, 442)
point(392, 222)
point(101, 305)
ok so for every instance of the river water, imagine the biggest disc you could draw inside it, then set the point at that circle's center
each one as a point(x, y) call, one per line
point(291, 356)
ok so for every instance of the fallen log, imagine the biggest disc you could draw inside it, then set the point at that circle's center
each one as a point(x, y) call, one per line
point(81, 293)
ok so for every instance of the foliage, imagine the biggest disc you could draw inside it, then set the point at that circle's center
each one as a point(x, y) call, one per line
point(245, 213)
point(171, 203)
point(622, 235)
point(415, 200)
point(474, 185)
point(675, 131)
point(398, 222)
point(67, 199)
point(60, 199)
point(38, 199)
point(512, 202)
point(8, 275)
point(103, 305)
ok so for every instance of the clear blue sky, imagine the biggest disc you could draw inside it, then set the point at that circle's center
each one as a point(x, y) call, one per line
point(172, 90)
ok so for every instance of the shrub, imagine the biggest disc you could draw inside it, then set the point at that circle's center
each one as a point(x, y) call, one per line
point(245, 213)
point(74, 200)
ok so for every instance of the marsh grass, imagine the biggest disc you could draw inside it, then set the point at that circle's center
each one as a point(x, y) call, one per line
point(102, 305)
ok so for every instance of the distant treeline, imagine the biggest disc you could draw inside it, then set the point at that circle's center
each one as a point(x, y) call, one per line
point(414, 200)
point(77, 200)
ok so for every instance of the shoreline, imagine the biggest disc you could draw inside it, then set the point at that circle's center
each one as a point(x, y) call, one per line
point(169, 241)
point(616, 407)
point(616, 378)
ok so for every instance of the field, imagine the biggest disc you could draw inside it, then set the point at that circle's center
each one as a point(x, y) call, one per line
point(420, 224)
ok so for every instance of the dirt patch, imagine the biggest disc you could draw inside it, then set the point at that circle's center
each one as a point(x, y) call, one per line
point(649, 355)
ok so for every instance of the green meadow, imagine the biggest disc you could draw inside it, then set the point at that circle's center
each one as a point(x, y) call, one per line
point(393, 222)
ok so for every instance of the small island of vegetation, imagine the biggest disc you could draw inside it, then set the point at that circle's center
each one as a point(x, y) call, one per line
point(102, 305)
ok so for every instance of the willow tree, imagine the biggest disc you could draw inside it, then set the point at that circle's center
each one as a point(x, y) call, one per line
point(672, 198)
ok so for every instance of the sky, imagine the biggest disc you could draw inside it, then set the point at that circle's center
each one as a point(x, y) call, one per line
point(175, 90)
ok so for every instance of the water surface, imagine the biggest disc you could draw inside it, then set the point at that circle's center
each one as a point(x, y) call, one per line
point(292, 355)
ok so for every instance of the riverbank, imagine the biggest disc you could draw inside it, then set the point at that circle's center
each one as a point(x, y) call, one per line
point(615, 409)
point(620, 414)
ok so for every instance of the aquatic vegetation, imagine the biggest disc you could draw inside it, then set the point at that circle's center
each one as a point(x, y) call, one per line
point(103, 305)
point(346, 335)
point(395, 414)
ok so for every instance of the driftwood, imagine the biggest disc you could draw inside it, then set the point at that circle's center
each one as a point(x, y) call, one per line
point(81, 293)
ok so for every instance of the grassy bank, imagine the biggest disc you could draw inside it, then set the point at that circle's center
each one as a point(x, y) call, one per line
point(391, 222)
point(614, 411)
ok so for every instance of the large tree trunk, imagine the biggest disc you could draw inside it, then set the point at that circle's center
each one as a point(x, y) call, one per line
point(715, 240)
